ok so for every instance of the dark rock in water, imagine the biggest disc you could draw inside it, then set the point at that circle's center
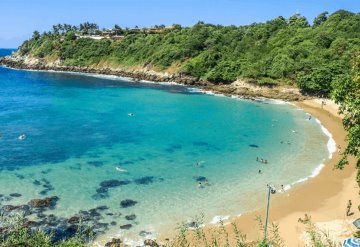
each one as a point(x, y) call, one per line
point(47, 202)
point(15, 195)
point(150, 242)
point(41, 216)
point(102, 208)
point(46, 171)
point(113, 223)
point(144, 180)
point(130, 217)
point(8, 208)
point(192, 224)
point(74, 220)
point(126, 227)
point(113, 183)
point(96, 163)
point(102, 190)
point(127, 203)
point(36, 182)
point(144, 233)
point(19, 176)
point(94, 213)
point(115, 242)
point(200, 143)
point(65, 232)
point(110, 214)
point(200, 178)
point(100, 196)
point(253, 146)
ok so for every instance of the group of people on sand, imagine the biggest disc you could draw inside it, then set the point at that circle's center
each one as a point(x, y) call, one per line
point(261, 160)
point(201, 185)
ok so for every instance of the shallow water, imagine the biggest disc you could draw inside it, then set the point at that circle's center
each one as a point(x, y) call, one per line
point(79, 133)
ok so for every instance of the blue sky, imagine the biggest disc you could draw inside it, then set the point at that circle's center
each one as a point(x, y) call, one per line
point(19, 18)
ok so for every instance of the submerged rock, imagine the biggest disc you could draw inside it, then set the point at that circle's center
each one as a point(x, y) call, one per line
point(15, 195)
point(128, 203)
point(200, 178)
point(115, 242)
point(150, 242)
point(47, 202)
point(144, 180)
point(130, 217)
point(113, 183)
point(126, 227)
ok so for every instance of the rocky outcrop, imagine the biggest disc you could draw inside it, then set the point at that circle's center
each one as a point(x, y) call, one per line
point(47, 202)
point(241, 88)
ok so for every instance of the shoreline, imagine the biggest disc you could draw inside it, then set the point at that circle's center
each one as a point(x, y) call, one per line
point(323, 197)
point(298, 201)
point(246, 89)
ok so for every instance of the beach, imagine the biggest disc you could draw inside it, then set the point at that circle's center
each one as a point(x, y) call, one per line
point(324, 198)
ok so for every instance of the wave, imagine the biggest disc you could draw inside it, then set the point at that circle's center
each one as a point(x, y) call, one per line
point(331, 144)
point(218, 218)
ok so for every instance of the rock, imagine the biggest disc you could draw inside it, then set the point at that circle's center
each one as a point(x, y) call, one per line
point(200, 178)
point(130, 217)
point(101, 208)
point(150, 242)
point(74, 220)
point(113, 183)
point(115, 242)
point(144, 180)
point(127, 203)
point(126, 226)
point(15, 195)
point(47, 202)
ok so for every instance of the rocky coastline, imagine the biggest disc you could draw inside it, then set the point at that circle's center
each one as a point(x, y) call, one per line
point(245, 89)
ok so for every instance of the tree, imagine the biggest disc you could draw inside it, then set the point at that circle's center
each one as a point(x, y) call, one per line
point(320, 19)
point(36, 35)
point(298, 20)
point(346, 93)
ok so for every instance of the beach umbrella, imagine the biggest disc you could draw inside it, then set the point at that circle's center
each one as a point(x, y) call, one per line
point(351, 242)
point(357, 223)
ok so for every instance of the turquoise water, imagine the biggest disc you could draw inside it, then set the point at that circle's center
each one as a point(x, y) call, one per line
point(79, 133)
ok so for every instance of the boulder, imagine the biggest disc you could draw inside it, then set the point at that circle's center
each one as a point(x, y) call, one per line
point(127, 203)
point(41, 203)
point(150, 242)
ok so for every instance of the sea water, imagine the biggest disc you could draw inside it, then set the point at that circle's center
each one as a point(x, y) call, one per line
point(162, 139)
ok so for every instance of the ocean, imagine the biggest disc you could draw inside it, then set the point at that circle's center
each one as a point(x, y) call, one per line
point(136, 152)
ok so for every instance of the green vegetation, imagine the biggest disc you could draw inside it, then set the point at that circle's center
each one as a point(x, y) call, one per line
point(281, 50)
point(13, 232)
point(346, 93)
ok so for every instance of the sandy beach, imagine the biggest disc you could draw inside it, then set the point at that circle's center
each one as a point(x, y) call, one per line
point(324, 197)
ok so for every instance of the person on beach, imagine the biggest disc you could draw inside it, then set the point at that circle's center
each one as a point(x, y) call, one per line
point(309, 117)
point(282, 187)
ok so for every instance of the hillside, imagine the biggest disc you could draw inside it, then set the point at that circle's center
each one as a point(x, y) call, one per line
point(278, 52)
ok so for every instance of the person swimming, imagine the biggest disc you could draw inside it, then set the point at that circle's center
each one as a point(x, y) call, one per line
point(207, 182)
point(130, 114)
point(257, 158)
point(22, 137)
point(265, 161)
point(200, 185)
point(259, 171)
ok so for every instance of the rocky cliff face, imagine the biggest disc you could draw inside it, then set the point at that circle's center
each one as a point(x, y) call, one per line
point(239, 88)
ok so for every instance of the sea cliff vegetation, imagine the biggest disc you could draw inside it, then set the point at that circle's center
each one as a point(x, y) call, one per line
point(279, 51)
